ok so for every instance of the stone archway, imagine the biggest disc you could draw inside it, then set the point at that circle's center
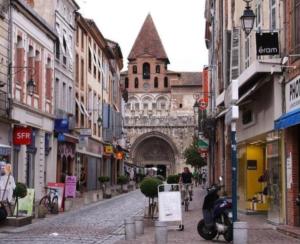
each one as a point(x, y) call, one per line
point(155, 149)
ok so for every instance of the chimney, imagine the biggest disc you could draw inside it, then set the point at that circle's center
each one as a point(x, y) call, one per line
point(30, 3)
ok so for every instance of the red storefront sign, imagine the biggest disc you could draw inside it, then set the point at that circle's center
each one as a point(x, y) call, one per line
point(22, 135)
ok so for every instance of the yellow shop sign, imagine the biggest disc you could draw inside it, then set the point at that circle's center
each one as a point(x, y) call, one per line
point(108, 149)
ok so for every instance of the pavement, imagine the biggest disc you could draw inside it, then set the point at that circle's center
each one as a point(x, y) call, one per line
point(103, 222)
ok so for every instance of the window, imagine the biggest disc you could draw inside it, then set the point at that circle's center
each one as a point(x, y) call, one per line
point(77, 70)
point(258, 14)
point(126, 82)
point(137, 106)
point(247, 52)
point(64, 96)
point(90, 60)
point(297, 27)
point(247, 117)
point(162, 106)
point(48, 79)
point(82, 39)
point(57, 50)
point(180, 105)
point(273, 15)
point(145, 106)
point(77, 36)
point(77, 111)
point(37, 71)
point(82, 114)
point(82, 74)
point(157, 69)
point(146, 71)
point(155, 82)
point(166, 82)
point(134, 69)
point(153, 105)
point(136, 83)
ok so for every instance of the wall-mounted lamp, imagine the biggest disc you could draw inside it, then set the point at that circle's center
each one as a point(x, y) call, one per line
point(248, 18)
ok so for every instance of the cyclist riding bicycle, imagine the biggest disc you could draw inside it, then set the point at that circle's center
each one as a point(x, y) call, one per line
point(186, 181)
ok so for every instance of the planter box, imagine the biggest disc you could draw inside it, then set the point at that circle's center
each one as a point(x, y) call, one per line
point(18, 221)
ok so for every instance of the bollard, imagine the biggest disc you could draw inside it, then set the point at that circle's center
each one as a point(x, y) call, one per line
point(129, 229)
point(161, 232)
point(240, 232)
point(139, 225)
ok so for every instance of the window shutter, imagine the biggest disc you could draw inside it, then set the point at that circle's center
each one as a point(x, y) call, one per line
point(235, 54)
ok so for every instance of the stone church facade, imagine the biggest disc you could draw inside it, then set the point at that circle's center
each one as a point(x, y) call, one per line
point(159, 121)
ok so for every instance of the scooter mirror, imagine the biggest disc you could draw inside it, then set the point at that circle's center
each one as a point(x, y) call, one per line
point(220, 178)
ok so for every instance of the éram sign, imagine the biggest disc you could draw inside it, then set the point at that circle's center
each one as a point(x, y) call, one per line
point(22, 135)
point(267, 43)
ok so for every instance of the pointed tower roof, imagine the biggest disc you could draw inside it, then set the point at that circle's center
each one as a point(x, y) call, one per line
point(148, 42)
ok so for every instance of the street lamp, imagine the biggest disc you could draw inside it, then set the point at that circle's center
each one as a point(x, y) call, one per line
point(248, 18)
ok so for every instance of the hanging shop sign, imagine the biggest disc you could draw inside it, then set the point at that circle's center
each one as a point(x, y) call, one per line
point(292, 94)
point(22, 135)
point(267, 43)
point(108, 149)
point(119, 155)
point(85, 132)
point(61, 125)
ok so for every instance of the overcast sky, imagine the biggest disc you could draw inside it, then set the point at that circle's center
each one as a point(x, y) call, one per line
point(180, 24)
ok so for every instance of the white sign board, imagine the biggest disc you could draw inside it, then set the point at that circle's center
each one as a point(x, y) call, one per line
point(289, 177)
point(231, 93)
point(292, 94)
point(169, 205)
point(232, 114)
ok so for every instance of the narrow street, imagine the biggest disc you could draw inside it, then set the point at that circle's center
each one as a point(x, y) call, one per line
point(97, 223)
point(103, 223)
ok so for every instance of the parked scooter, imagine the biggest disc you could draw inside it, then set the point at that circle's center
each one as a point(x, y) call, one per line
point(217, 213)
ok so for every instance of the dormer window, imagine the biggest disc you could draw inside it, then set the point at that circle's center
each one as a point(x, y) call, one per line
point(146, 71)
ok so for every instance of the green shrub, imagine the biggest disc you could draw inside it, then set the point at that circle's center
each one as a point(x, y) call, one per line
point(160, 177)
point(122, 179)
point(173, 179)
point(103, 179)
point(20, 191)
point(149, 186)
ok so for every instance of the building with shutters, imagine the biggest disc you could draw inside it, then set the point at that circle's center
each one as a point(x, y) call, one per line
point(159, 121)
point(5, 123)
point(60, 15)
point(98, 101)
point(33, 111)
point(259, 83)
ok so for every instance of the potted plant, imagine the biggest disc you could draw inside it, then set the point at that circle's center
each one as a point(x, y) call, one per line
point(173, 179)
point(122, 180)
point(19, 192)
point(149, 189)
point(103, 181)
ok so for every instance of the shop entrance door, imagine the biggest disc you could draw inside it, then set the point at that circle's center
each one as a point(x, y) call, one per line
point(274, 182)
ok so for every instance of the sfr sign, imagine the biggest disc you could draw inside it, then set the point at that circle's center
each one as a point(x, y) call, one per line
point(22, 135)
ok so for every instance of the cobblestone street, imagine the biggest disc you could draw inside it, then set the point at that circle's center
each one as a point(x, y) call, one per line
point(97, 223)
point(103, 223)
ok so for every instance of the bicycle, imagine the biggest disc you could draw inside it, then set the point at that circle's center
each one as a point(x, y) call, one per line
point(50, 200)
point(186, 195)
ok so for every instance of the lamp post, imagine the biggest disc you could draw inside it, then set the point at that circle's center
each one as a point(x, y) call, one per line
point(248, 18)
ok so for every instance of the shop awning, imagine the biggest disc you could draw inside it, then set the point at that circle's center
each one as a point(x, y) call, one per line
point(287, 120)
